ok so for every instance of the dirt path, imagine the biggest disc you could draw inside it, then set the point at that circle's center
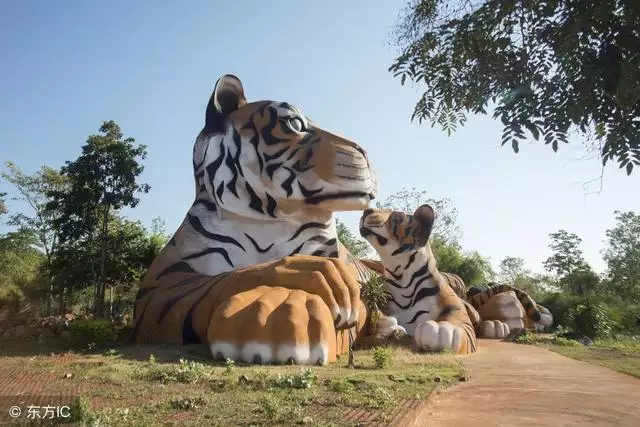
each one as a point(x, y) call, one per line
point(518, 385)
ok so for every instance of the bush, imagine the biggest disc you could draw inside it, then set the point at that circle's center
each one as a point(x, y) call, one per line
point(560, 305)
point(565, 342)
point(304, 379)
point(188, 403)
point(93, 331)
point(373, 293)
point(80, 412)
point(590, 319)
point(381, 357)
point(624, 318)
point(527, 338)
point(186, 372)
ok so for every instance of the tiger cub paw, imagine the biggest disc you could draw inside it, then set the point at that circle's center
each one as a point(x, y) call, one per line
point(494, 329)
point(273, 325)
point(437, 336)
point(387, 326)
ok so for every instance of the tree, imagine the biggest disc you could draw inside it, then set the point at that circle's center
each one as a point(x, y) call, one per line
point(583, 282)
point(3, 206)
point(19, 263)
point(408, 201)
point(474, 269)
point(102, 181)
point(567, 256)
point(131, 250)
point(549, 66)
point(513, 271)
point(512, 268)
point(359, 248)
point(34, 190)
point(623, 256)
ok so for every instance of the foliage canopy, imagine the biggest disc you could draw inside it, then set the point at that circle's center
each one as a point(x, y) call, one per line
point(549, 66)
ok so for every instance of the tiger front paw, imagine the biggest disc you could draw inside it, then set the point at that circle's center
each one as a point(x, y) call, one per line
point(494, 329)
point(335, 282)
point(437, 336)
point(273, 325)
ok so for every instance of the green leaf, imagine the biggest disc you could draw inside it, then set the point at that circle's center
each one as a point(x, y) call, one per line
point(515, 146)
point(629, 168)
point(533, 129)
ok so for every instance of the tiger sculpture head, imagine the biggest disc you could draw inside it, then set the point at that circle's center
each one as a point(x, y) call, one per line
point(266, 160)
point(396, 235)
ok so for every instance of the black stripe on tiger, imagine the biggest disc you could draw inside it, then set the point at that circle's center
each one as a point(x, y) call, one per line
point(194, 221)
point(255, 245)
point(220, 251)
point(307, 226)
point(422, 273)
point(422, 294)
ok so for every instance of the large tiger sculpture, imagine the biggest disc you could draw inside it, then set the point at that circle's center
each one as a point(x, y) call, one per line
point(421, 299)
point(256, 270)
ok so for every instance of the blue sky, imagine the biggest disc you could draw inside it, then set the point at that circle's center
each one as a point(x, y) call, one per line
point(151, 65)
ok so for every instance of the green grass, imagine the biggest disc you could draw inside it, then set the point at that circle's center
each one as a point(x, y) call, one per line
point(621, 354)
point(141, 386)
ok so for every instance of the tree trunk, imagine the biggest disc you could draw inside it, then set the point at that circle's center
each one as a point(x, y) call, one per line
point(103, 265)
point(111, 302)
point(350, 363)
point(62, 301)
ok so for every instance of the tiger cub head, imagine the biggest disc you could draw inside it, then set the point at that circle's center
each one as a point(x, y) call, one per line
point(394, 235)
point(267, 160)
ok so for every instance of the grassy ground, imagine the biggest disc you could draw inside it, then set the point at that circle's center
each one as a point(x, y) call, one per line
point(148, 386)
point(622, 355)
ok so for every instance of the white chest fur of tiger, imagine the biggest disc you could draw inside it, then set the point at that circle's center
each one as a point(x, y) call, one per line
point(256, 271)
point(421, 299)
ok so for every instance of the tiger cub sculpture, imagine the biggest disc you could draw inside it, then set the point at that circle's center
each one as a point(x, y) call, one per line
point(422, 301)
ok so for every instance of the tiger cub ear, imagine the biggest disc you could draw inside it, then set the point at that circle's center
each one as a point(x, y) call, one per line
point(227, 97)
point(425, 216)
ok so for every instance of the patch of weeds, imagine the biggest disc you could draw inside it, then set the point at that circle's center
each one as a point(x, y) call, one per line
point(111, 352)
point(565, 342)
point(188, 403)
point(341, 386)
point(80, 412)
point(381, 357)
point(273, 410)
point(629, 344)
point(304, 379)
point(89, 348)
point(111, 416)
point(229, 365)
point(260, 380)
point(378, 397)
point(186, 372)
point(527, 338)
point(220, 385)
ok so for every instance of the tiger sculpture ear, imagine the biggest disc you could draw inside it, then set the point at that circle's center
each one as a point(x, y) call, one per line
point(227, 97)
point(425, 217)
